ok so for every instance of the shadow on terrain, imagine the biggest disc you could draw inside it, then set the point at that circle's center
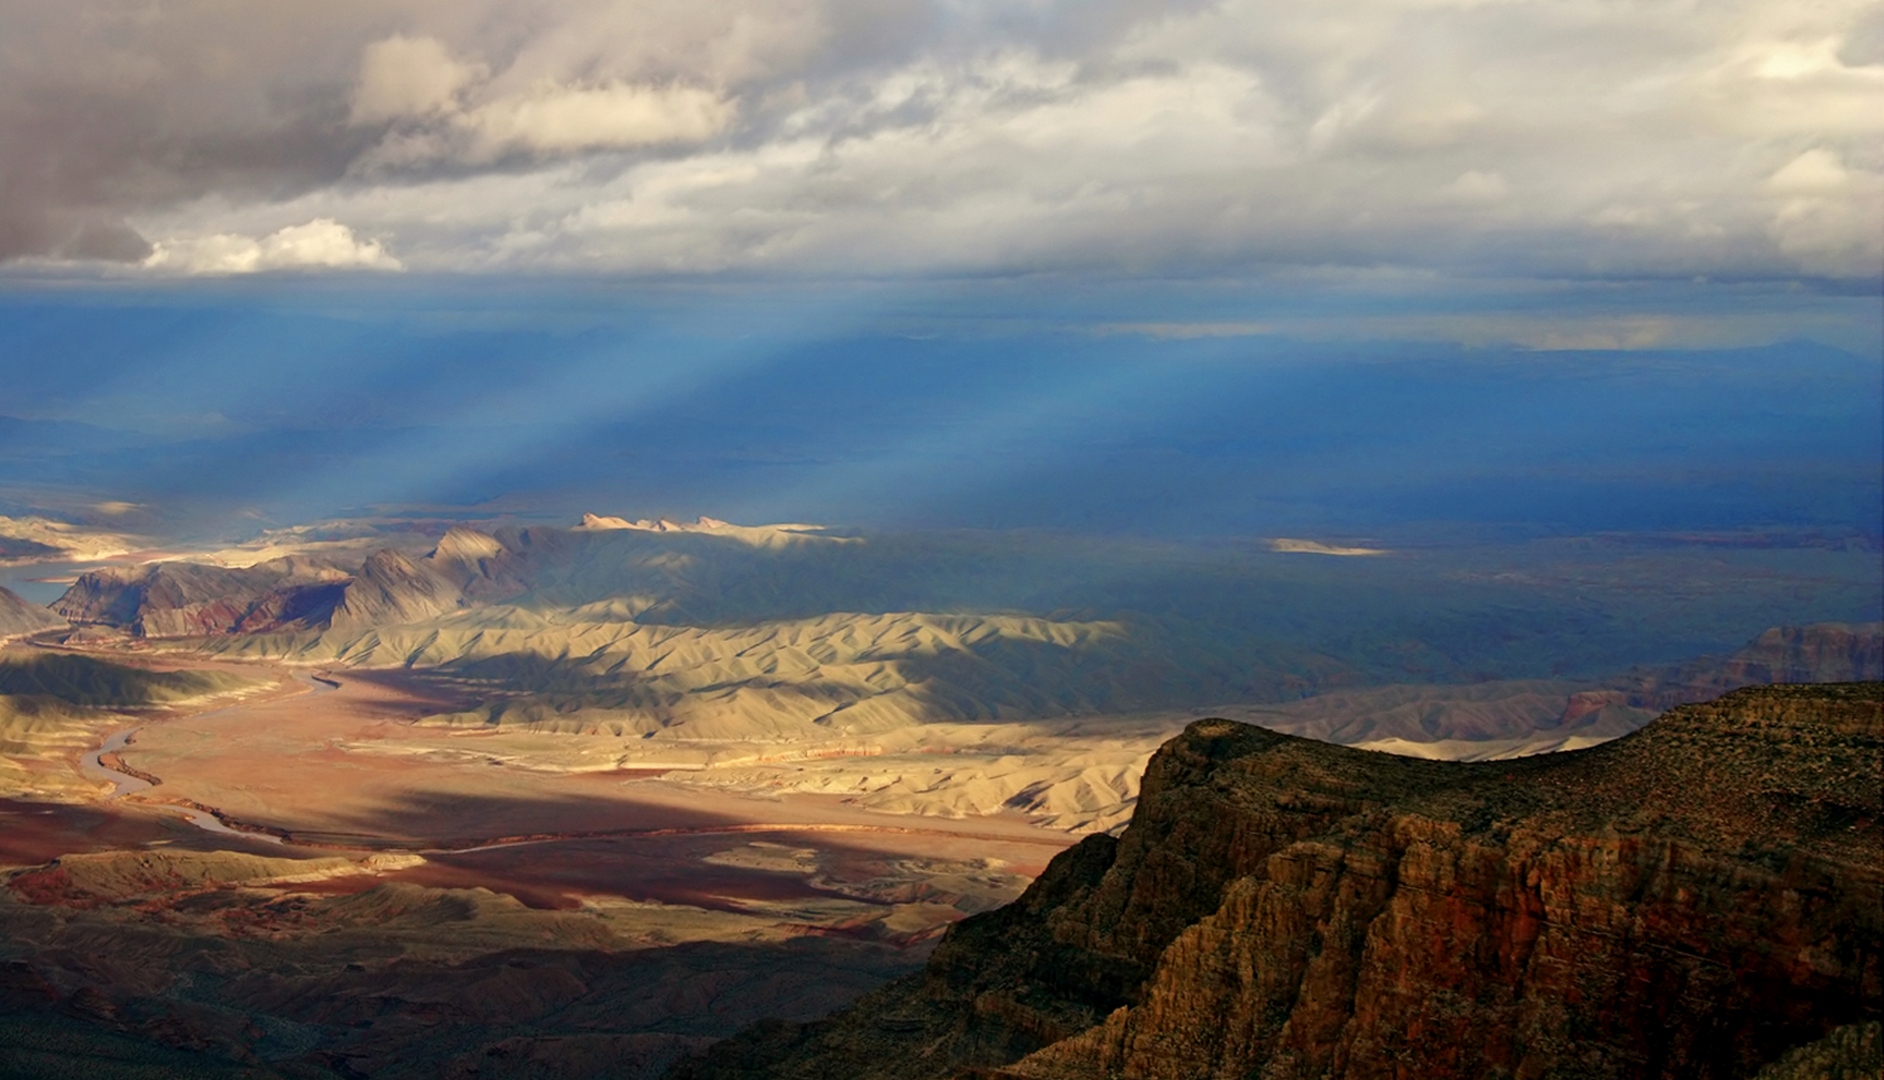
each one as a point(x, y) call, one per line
point(549, 851)
point(89, 682)
point(417, 973)
point(346, 1005)
point(33, 833)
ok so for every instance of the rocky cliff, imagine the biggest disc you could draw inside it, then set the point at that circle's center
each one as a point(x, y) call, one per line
point(1824, 652)
point(1702, 898)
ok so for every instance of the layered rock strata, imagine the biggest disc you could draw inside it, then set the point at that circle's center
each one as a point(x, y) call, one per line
point(1698, 899)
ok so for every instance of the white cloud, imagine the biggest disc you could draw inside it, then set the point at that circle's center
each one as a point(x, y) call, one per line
point(419, 82)
point(322, 244)
point(1815, 172)
point(1536, 137)
point(1829, 218)
point(408, 77)
point(564, 119)
point(1473, 186)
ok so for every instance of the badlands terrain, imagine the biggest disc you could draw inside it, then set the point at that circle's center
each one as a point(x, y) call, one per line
point(501, 799)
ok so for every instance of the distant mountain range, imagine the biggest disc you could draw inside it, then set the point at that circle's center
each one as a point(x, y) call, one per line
point(603, 557)
point(1505, 718)
point(708, 630)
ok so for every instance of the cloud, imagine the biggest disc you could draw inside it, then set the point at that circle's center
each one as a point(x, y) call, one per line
point(417, 87)
point(406, 77)
point(562, 120)
point(1829, 218)
point(1815, 172)
point(321, 244)
point(1473, 186)
point(843, 137)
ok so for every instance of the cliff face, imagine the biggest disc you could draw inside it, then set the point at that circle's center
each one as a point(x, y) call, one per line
point(1823, 652)
point(1696, 899)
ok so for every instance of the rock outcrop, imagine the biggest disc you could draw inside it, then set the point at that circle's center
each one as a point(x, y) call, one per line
point(1699, 899)
point(177, 599)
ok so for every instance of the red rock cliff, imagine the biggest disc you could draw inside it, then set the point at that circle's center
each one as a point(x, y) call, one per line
point(1694, 900)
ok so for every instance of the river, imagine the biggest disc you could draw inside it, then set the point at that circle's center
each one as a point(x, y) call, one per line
point(93, 766)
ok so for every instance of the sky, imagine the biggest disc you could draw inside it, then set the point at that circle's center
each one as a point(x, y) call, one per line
point(241, 407)
point(1217, 266)
point(1536, 138)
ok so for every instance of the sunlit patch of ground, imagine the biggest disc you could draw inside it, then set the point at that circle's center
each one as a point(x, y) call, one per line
point(39, 539)
point(342, 768)
point(1291, 546)
point(437, 892)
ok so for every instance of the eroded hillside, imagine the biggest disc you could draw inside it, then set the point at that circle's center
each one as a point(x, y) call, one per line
point(18, 617)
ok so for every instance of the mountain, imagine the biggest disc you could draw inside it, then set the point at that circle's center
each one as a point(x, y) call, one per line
point(709, 634)
point(179, 599)
point(1821, 652)
point(19, 616)
point(392, 588)
point(708, 570)
point(1515, 717)
point(1825, 652)
point(1698, 899)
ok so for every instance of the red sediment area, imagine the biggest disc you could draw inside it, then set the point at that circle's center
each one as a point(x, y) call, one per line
point(342, 770)
point(32, 833)
point(665, 870)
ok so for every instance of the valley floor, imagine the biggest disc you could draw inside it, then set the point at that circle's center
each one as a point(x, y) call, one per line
point(344, 841)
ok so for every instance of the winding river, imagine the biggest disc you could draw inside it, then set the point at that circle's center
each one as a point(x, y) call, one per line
point(92, 765)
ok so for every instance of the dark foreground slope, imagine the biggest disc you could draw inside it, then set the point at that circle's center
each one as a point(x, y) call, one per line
point(1701, 898)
